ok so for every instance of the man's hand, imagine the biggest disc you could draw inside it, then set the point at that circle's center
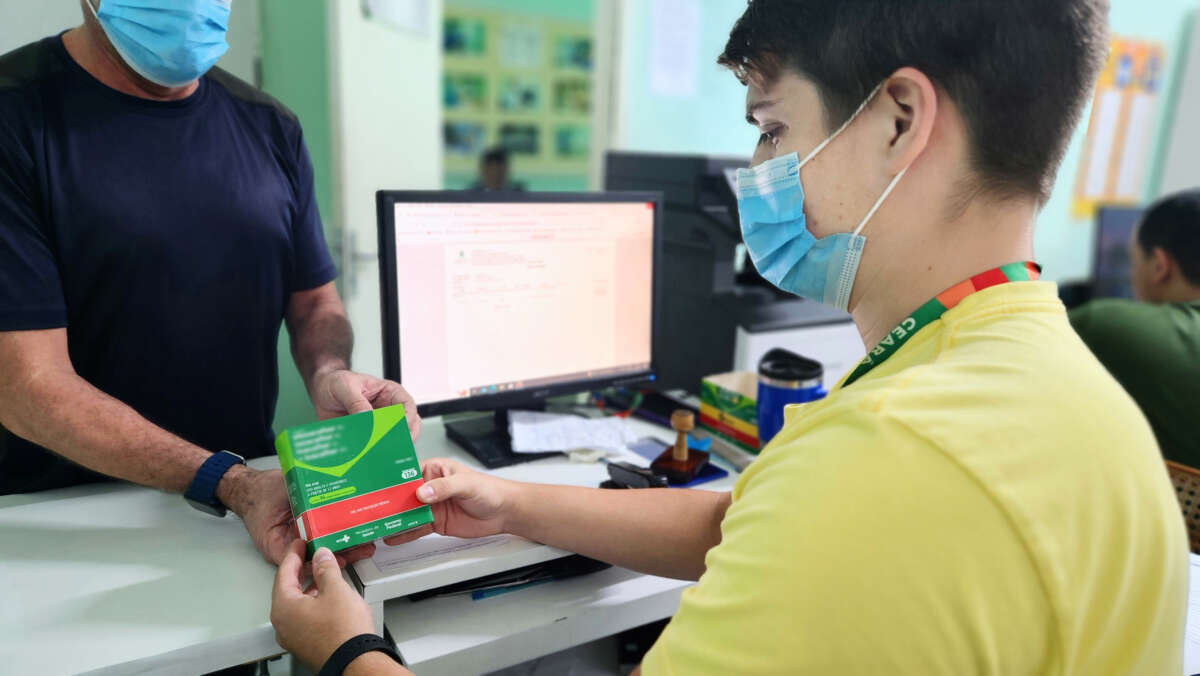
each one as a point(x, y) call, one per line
point(342, 392)
point(321, 344)
point(313, 625)
point(466, 503)
point(260, 498)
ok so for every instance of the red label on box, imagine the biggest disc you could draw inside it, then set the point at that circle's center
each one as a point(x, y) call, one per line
point(343, 514)
point(729, 431)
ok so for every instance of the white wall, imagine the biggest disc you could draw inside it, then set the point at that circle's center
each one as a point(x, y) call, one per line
point(710, 121)
point(385, 91)
point(242, 57)
point(1181, 169)
point(25, 21)
point(1064, 244)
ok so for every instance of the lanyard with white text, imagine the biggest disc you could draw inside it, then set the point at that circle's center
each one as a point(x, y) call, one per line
point(937, 306)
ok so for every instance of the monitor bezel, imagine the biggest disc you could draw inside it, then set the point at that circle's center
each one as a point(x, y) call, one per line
point(1098, 240)
point(386, 200)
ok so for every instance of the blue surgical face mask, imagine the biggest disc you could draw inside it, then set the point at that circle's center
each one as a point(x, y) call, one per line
point(771, 208)
point(168, 42)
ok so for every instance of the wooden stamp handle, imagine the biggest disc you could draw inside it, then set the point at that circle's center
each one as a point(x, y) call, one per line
point(683, 421)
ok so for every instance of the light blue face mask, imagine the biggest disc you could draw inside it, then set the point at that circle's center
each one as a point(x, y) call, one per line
point(771, 208)
point(168, 42)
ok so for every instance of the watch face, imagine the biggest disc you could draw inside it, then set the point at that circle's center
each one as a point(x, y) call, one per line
point(206, 508)
point(241, 459)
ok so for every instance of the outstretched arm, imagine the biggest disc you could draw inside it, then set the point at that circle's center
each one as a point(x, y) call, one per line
point(665, 531)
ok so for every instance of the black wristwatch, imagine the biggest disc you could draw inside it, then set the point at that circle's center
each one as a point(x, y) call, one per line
point(202, 492)
point(352, 649)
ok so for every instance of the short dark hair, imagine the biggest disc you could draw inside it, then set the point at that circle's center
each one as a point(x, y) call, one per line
point(1173, 225)
point(1019, 70)
point(497, 155)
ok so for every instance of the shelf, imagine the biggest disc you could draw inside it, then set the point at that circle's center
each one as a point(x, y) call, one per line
point(457, 635)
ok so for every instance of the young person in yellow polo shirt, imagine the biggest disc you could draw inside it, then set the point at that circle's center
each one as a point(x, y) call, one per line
point(979, 496)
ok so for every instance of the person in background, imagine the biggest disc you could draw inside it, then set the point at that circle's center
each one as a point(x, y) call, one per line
point(978, 496)
point(493, 172)
point(1151, 345)
point(157, 226)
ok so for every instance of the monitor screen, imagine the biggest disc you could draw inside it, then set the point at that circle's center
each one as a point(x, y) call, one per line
point(1114, 226)
point(499, 297)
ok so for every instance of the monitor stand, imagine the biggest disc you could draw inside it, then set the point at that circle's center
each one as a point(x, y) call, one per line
point(486, 437)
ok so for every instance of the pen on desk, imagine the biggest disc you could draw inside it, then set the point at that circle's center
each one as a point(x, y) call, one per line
point(481, 594)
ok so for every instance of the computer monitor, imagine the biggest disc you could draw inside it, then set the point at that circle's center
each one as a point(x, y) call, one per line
point(1110, 261)
point(496, 301)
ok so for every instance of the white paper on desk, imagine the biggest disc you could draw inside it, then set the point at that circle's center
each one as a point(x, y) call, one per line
point(1191, 636)
point(535, 432)
point(388, 558)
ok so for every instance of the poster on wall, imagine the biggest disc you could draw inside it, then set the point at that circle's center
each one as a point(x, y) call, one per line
point(519, 81)
point(1112, 166)
point(464, 37)
point(520, 46)
point(464, 91)
point(573, 52)
point(675, 27)
point(518, 94)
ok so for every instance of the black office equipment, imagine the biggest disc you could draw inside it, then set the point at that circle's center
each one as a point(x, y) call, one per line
point(493, 302)
point(702, 289)
point(557, 569)
point(655, 407)
point(628, 475)
point(1110, 257)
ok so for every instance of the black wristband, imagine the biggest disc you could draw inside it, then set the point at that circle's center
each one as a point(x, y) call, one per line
point(353, 648)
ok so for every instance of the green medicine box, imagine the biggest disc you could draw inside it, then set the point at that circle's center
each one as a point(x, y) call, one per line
point(352, 480)
point(728, 407)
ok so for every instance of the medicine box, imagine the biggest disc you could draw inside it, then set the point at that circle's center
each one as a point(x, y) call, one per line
point(728, 409)
point(353, 479)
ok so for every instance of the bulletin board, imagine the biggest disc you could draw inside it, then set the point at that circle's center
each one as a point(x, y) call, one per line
point(518, 82)
point(1119, 131)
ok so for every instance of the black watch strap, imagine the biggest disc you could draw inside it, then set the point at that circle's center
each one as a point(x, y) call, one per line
point(351, 649)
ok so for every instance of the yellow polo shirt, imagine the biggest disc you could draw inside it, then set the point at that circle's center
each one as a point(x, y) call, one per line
point(986, 501)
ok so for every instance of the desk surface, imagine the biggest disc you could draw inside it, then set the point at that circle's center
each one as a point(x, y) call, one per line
point(506, 552)
point(118, 579)
point(115, 578)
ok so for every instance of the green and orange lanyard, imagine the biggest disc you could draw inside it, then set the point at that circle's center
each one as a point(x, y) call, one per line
point(937, 306)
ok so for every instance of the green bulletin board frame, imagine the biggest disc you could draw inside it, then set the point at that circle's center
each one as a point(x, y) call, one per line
point(523, 80)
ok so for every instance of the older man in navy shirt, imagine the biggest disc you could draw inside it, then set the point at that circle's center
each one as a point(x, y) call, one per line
point(157, 224)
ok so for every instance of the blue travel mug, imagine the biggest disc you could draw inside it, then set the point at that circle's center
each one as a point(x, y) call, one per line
point(784, 377)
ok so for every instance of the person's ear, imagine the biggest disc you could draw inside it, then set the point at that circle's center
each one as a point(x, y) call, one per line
point(910, 102)
point(1161, 265)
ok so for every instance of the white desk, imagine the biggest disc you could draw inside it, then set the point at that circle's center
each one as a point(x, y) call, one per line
point(459, 636)
point(115, 578)
point(380, 585)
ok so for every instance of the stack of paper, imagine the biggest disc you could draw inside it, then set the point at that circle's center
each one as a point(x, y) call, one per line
point(534, 432)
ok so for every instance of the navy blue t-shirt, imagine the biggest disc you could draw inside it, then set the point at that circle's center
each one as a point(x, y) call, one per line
point(165, 236)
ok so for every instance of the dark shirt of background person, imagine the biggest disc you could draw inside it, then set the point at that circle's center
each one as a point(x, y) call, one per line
point(1152, 345)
